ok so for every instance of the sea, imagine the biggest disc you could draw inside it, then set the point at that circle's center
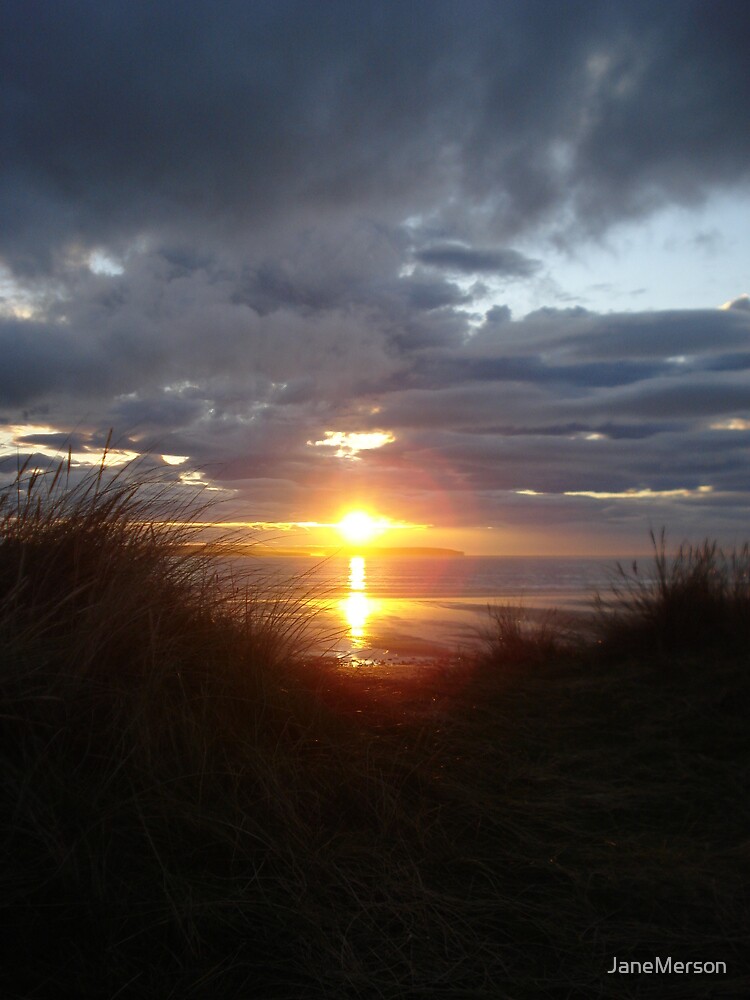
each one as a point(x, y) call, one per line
point(383, 608)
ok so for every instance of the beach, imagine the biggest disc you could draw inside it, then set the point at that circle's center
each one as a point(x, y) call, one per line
point(376, 609)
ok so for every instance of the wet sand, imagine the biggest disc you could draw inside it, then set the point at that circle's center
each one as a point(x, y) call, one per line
point(411, 634)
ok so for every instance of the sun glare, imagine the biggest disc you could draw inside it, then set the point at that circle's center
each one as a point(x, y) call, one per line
point(358, 527)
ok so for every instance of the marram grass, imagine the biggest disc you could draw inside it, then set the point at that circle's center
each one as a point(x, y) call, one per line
point(192, 807)
point(696, 599)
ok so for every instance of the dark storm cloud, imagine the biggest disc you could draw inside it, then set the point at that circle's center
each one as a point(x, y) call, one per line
point(208, 118)
point(468, 260)
point(59, 441)
point(533, 368)
point(160, 413)
point(671, 333)
point(496, 315)
point(273, 286)
point(686, 399)
point(557, 465)
point(39, 360)
point(579, 350)
point(734, 362)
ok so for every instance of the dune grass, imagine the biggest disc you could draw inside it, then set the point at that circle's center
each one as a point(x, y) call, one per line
point(696, 599)
point(194, 807)
point(514, 637)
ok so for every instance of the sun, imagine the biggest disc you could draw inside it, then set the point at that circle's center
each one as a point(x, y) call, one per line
point(359, 527)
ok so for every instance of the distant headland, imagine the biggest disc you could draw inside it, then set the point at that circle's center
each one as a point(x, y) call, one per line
point(414, 551)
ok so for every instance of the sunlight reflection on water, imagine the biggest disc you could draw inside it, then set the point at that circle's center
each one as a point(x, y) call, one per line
point(373, 623)
point(357, 607)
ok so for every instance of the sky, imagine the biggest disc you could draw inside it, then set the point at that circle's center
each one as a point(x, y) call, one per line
point(478, 268)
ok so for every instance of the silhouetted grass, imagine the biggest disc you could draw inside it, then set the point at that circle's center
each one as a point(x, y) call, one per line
point(192, 807)
point(516, 638)
point(697, 599)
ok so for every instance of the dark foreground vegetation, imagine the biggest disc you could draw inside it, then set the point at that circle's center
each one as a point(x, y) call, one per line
point(191, 808)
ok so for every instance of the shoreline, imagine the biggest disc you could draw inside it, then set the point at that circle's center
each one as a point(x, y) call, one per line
point(437, 632)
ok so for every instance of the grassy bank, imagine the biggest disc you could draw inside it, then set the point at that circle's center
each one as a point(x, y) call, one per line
point(191, 808)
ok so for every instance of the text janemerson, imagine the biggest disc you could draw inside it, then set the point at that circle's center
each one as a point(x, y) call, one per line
point(669, 966)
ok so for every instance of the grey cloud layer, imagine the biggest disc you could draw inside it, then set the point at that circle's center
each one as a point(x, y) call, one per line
point(306, 201)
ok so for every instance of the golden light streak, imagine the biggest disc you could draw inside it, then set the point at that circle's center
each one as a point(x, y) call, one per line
point(733, 424)
point(348, 445)
point(646, 494)
point(13, 439)
point(643, 494)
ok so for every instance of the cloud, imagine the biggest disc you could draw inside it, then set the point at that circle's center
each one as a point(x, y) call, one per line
point(562, 401)
point(470, 260)
point(230, 229)
point(215, 119)
point(741, 303)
